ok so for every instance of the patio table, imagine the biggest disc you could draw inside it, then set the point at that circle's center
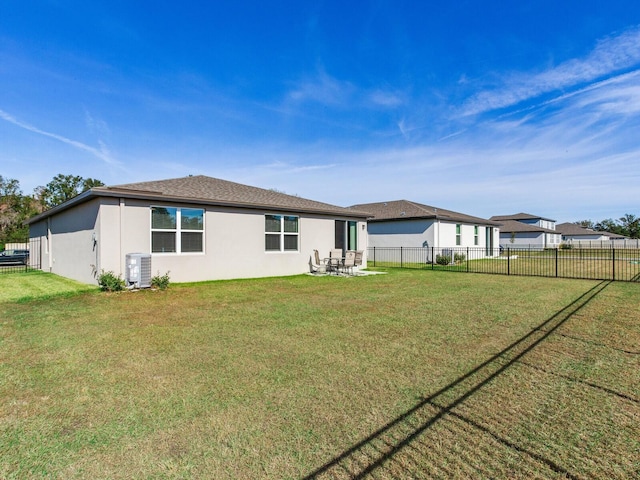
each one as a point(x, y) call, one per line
point(334, 264)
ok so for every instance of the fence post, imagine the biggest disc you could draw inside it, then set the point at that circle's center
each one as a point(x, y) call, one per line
point(508, 261)
point(400, 257)
point(27, 244)
point(613, 262)
point(374, 256)
point(467, 259)
point(556, 263)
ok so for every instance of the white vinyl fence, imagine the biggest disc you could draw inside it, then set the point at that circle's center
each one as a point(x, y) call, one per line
point(614, 243)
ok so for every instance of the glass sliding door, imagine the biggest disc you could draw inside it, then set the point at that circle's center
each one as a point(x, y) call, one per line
point(352, 235)
point(346, 236)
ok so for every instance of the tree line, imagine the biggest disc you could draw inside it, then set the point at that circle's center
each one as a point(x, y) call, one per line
point(627, 225)
point(16, 207)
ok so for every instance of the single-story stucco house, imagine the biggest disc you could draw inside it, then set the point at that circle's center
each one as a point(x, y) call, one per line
point(523, 230)
point(573, 231)
point(402, 223)
point(196, 227)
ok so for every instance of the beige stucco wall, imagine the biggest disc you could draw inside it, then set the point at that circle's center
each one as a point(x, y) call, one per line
point(234, 242)
point(234, 245)
point(67, 242)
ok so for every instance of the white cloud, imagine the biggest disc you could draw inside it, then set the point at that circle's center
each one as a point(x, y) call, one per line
point(571, 158)
point(95, 125)
point(611, 55)
point(386, 98)
point(327, 90)
point(322, 89)
point(102, 153)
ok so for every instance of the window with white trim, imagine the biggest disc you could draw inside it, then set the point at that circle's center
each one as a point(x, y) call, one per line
point(177, 230)
point(475, 235)
point(458, 234)
point(281, 233)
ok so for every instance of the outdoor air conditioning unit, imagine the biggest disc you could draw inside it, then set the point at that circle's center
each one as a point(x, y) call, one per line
point(138, 270)
point(448, 252)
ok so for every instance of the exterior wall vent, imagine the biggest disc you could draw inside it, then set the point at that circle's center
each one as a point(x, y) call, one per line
point(138, 270)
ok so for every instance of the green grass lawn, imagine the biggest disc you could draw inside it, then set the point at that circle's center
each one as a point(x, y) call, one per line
point(22, 287)
point(413, 374)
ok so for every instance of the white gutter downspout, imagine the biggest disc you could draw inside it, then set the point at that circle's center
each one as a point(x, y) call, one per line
point(120, 235)
point(438, 223)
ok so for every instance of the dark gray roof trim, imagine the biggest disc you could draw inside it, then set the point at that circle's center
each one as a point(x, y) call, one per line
point(203, 190)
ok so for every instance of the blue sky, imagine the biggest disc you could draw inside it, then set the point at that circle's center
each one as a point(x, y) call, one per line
point(486, 108)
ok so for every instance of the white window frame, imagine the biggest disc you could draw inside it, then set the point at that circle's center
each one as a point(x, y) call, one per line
point(458, 234)
point(476, 240)
point(178, 231)
point(282, 234)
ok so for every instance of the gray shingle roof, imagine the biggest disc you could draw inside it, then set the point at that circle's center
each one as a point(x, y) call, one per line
point(203, 190)
point(519, 227)
point(404, 209)
point(214, 190)
point(575, 230)
point(520, 216)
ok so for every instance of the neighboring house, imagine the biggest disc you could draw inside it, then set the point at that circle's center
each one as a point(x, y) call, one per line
point(573, 231)
point(403, 223)
point(524, 230)
point(197, 228)
point(579, 236)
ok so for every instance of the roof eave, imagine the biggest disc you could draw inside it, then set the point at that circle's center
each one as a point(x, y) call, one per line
point(475, 221)
point(83, 197)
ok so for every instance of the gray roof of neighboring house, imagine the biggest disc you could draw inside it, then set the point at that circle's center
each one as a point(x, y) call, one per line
point(203, 190)
point(576, 230)
point(508, 226)
point(520, 216)
point(405, 210)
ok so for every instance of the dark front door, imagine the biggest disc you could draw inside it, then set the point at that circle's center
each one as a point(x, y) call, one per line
point(340, 235)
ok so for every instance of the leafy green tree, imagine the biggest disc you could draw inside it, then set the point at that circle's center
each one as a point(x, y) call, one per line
point(9, 195)
point(15, 208)
point(608, 225)
point(63, 188)
point(627, 225)
point(586, 224)
point(630, 225)
point(9, 187)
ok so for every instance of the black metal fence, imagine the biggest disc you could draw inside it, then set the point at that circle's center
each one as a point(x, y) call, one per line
point(593, 264)
point(15, 263)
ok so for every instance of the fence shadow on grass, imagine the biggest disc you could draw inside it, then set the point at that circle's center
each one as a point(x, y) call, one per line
point(366, 457)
